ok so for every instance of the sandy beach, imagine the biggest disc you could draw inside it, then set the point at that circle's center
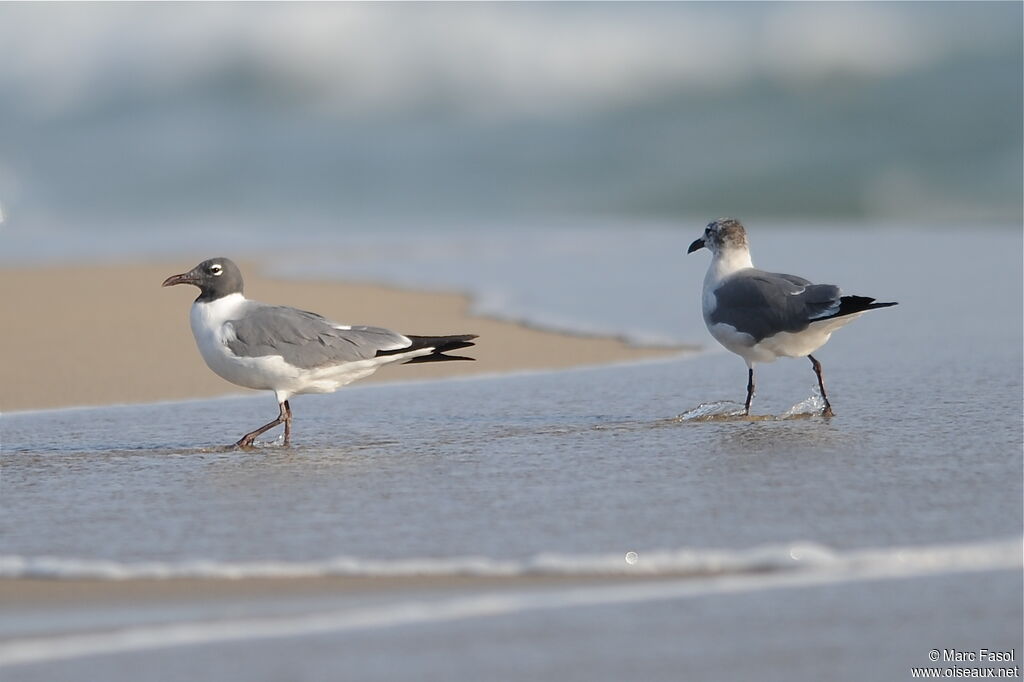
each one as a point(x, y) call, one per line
point(122, 339)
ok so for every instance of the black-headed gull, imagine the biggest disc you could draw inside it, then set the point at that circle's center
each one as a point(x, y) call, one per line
point(287, 350)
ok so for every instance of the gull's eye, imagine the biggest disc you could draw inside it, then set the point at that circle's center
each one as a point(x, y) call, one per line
point(216, 270)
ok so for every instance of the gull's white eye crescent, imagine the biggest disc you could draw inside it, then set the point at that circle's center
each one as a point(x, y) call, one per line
point(216, 270)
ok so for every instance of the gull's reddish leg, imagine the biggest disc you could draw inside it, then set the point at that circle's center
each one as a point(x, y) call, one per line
point(827, 412)
point(283, 417)
point(287, 423)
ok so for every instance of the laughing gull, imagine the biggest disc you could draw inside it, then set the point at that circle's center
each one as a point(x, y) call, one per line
point(290, 351)
point(761, 315)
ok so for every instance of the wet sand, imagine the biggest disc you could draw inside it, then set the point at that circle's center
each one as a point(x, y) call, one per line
point(33, 592)
point(99, 335)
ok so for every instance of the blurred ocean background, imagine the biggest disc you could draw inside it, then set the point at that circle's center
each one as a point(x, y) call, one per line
point(509, 151)
point(282, 119)
point(553, 161)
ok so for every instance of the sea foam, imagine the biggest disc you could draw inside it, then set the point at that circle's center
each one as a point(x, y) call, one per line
point(796, 556)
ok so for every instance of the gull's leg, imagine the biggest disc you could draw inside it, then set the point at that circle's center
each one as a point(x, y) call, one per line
point(750, 391)
point(827, 412)
point(247, 440)
point(287, 423)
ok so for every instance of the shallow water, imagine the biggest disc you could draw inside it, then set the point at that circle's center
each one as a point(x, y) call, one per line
point(563, 472)
point(572, 462)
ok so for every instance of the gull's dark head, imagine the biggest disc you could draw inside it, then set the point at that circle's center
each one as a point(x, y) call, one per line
point(721, 235)
point(215, 277)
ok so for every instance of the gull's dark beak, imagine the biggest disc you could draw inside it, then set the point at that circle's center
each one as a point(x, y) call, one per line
point(183, 278)
point(697, 245)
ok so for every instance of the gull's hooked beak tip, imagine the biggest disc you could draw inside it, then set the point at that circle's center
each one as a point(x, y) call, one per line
point(178, 279)
point(697, 245)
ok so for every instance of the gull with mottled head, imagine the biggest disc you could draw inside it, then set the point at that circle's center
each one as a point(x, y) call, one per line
point(761, 315)
point(287, 350)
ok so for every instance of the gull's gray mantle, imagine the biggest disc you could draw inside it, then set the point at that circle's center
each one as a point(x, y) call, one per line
point(762, 304)
point(305, 340)
point(761, 315)
point(287, 350)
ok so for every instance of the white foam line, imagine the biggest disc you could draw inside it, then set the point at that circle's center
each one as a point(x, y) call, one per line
point(876, 565)
point(693, 562)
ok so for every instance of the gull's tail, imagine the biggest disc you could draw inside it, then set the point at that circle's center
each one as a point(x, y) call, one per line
point(439, 345)
point(848, 305)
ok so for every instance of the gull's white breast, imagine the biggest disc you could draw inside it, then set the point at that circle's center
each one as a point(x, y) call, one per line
point(212, 330)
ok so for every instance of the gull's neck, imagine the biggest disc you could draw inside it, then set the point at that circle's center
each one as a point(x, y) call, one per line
point(727, 262)
point(228, 300)
point(219, 309)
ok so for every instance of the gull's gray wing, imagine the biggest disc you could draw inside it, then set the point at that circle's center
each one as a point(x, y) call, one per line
point(306, 340)
point(765, 303)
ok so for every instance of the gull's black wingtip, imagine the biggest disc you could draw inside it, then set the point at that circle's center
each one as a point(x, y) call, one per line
point(848, 305)
point(443, 344)
point(437, 357)
point(439, 345)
